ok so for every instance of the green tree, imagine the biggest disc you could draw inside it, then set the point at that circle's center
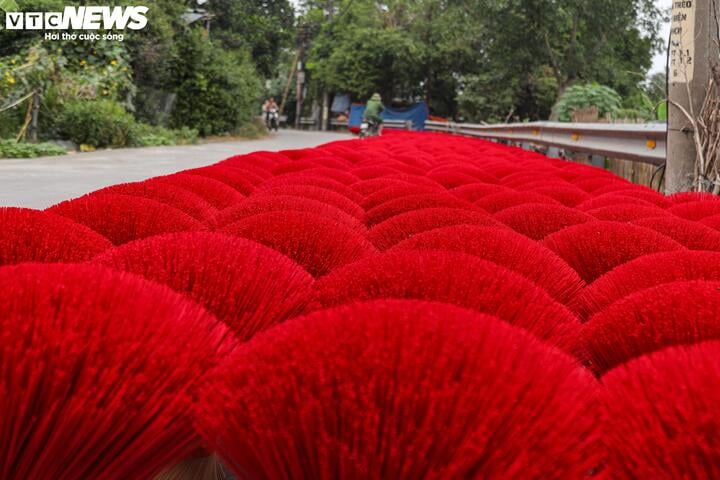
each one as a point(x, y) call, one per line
point(262, 27)
point(513, 57)
point(217, 91)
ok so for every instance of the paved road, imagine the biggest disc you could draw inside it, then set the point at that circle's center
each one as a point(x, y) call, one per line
point(41, 182)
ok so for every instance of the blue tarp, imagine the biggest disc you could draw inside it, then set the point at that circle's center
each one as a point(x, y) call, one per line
point(356, 113)
point(418, 113)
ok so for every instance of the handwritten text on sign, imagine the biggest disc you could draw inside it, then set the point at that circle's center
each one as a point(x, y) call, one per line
point(682, 41)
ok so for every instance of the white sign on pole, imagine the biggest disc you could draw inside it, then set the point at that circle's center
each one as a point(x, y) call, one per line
point(682, 41)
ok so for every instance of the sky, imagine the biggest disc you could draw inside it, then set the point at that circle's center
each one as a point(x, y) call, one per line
point(661, 58)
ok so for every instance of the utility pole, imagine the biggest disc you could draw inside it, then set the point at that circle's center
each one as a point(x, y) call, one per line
point(692, 53)
point(325, 116)
point(302, 37)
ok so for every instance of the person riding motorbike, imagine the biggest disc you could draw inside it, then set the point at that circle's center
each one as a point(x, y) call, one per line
point(373, 109)
point(270, 107)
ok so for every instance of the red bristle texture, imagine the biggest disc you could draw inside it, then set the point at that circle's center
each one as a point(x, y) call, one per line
point(401, 390)
point(183, 200)
point(402, 177)
point(218, 194)
point(98, 372)
point(475, 191)
point(455, 278)
point(712, 222)
point(501, 201)
point(611, 200)
point(522, 178)
point(566, 194)
point(569, 257)
point(123, 218)
point(453, 168)
point(368, 187)
point(684, 197)
point(283, 203)
point(595, 248)
point(28, 235)
point(627, 213)
point(645, 272)
point(246, 285)
point(508, 249)
point(258, 160)
point(315, 181)
point(646, 195)
point(317, 243)
point(696, 210)
point(537, 221)
point(297, 164)
point(619, 187)
point(660, 415)
point(247, 163)
point(650, 320)
point(250, 173)
point(374, 171)
point(408, 203)
point(452, 179)
point(592, 183)
point(400, 227)
point(693, 235)
point(320, 194)
point(391, 193)
point(226, 175)
point(341, 176)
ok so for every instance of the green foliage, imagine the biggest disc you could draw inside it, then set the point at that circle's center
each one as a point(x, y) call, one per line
point(252, 130)
point(144, 135)
point(491, 59)
point(493, 98)
point(141, 72)
point(99, 123)
point(8, 5)
point(604, 98)
point(12, 149)
point(262, 27)
point(218, 90)
point(365, 60)
point(104, 123)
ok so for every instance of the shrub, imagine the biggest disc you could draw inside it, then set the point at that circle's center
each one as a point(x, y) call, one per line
point(604, 98)
point(218, 91)
point(144, 135)
point(13, 149)
point(100, 123)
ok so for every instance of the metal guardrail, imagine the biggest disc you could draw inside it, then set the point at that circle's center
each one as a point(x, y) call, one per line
point(640, 142)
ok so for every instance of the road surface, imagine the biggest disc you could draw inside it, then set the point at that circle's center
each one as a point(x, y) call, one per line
point(41, 182)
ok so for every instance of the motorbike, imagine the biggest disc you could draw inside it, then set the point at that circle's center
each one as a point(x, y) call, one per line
point(273, 119)
point(369, 128)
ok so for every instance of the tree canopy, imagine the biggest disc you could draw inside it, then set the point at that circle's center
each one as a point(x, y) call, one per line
point(484, 59)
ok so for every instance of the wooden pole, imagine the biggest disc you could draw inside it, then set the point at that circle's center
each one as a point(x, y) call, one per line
point(693, 51)
point(286, 92)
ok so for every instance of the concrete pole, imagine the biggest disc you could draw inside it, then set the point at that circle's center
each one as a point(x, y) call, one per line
point(692, 53)
point(325, 116)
